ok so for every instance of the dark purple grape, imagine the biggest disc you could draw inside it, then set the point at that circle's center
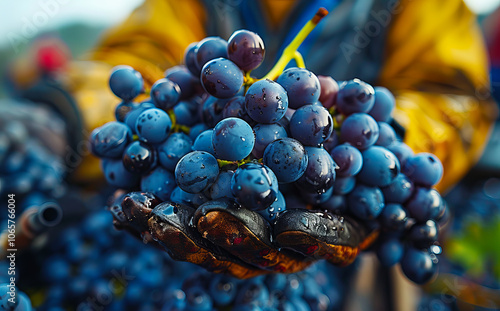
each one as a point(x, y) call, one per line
point(355, 96)
point(390, 252)
point(165, 94)
point(425, 204)
point(344, 185)
point(399, 190)
point(208, 49)
point(418, 265)
point(387, 135)
point(329, 90)
point(246, 49)
point(266, 134)
point(320, 173)
point(393, 217)
point(380, 167)
point(122, 109)
point(365, 202)
point(402, 151)
point(360, 130)
point(336, 203)
point(184, 79)
point(139, 157)
point(287, 158)
point(301, 85)
point(212, 110)
point(221, 78)
point(383, 105)
point(190, 59)
point(348, 159)
point(423, 235)
point(266, 101)
point(311, 125)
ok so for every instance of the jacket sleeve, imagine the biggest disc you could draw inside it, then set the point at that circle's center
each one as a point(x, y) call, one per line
point(152, 39)
point(436, 64)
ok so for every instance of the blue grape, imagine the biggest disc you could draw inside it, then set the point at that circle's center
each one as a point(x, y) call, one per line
point(254, 186)
point(319, 175)
point(380, 167)
point(425, 204)
point(278, 206)
point(348, 158)
point(153, 126)
point(159, 182)
point(393, 217)
point(311, 125)
point(110, 140)
point(252, 292)
point(402, 151)
point(399, 190)
point(418, 265)
point(165, 94)
point(122, 109)
point(197, 299)
point(301, 85)
point(204, 142)
point(233, 139)
point(344, 185)
point(192, 199)
point(332, 142)
point(56, 270)
point(315, 198)
point(423, 169)
point(139, 157)
point(266, 101)
point(423, 235)
point(360, 130)
point(246, 49)
point(133, 115)
point(266, 134)
point(117, 175)
point(185, 114)
point(125, 82)
point(175, 147)
point(287, 158)
point(197, 130)
point(175, 301)
point(293, 287)
point(386, 136)
point(336, 203)
point(208, 49)
point(221, 78)
point(221, 188)
point(196, 171)
point(383, 105)
point(355, 96)
point(211, 111)
point(190, 59)
point(181, 76)
point(390, 252)
point(222, 289)
point(365, 202)
point(235, 108)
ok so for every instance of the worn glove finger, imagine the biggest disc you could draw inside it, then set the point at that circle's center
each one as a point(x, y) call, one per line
point(246, 235)
point(171, 226)
point(322, 235)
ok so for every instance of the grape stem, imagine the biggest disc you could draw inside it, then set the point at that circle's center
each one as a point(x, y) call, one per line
point(177, 127)
point(299, 59)
point(290, 52)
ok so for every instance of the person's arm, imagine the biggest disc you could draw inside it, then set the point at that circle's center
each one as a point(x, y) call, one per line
point(436, 64)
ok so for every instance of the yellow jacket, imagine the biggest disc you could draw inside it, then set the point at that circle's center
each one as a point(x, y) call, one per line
point(434, 62)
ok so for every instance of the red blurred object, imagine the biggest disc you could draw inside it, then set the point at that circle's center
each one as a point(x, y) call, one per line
point(51, 54)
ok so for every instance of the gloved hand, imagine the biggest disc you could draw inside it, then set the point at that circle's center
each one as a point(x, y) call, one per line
point(223, 237)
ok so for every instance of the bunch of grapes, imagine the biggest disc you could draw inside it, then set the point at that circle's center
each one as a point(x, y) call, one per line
point(290, 140)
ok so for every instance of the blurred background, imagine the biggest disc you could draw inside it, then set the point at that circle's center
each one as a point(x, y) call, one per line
point(77, 26)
